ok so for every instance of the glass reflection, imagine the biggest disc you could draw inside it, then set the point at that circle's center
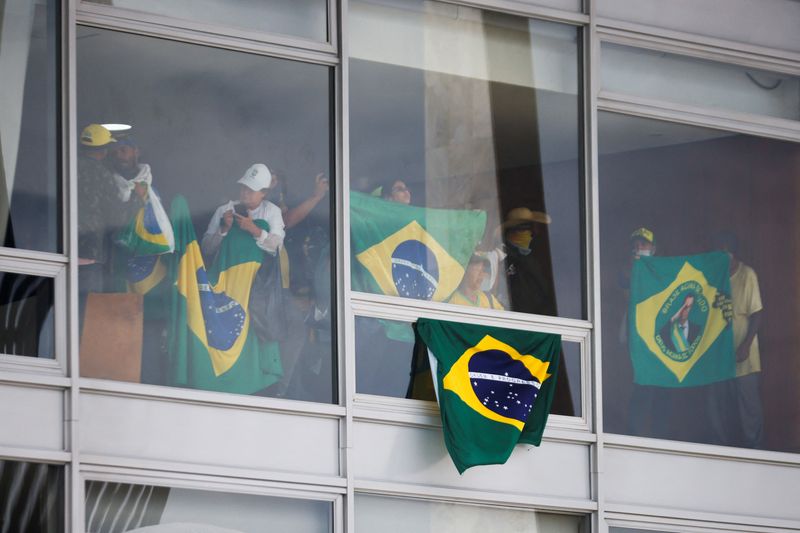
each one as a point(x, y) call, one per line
point(30, 196)
point(26, 316)
point(204, 218)
point(465, 157)
point(386, 365)
point(390, 515)
point(32, 496)
point(707, 216)
point(300, 18)
point(114, 507)
point(699, 82)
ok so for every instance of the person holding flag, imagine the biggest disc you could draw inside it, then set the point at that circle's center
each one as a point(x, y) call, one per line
point(213, 345)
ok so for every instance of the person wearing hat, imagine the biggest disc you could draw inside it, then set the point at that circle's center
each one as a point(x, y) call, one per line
point(252, 205)
point(469, 290)
point(528, 288)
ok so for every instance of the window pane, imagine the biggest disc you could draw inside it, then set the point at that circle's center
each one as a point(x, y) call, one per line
point(26, 316)
point(32, 497)
point(390, 515)
point(698, 82)
point(30, 195)
point(144, 507)
point(465, 157)
point(228, 158)
point(299, 18)
point(733, 20)
point(695, 191)
point(385, 366)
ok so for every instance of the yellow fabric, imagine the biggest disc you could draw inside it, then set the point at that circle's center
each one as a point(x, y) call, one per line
point(377, 259)
point(283, 257)
point(236, 282)
point(746, 299)
point(484, 301)
point(141, 231)
point(458, 380)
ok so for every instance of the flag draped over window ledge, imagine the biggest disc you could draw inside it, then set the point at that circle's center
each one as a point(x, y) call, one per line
point(495, 387)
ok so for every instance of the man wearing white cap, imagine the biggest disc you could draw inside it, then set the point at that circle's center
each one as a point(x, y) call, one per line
point(251, 206)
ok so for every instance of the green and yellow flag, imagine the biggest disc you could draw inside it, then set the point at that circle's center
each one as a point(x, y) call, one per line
point(212, 346)
point(679, 320)
point(409, 251)
point(495, 387)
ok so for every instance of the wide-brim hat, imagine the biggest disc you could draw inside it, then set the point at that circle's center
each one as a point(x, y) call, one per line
point(523, 215)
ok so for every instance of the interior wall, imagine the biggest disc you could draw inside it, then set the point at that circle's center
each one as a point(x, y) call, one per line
point(686, 194)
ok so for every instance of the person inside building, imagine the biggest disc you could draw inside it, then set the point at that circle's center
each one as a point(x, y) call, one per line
point(252, 205)
point(396, 191)
point(529, 289)
point(469, 291)
point(744, 398)
point(102, 211)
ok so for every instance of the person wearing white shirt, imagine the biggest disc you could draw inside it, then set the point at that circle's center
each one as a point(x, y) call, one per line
point(254, 186)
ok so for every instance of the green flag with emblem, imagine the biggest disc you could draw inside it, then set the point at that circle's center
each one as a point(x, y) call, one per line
point(495, 387)
point(679, 320)
point(409, 251)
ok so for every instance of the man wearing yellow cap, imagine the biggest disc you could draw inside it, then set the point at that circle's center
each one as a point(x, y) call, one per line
point(101, 213)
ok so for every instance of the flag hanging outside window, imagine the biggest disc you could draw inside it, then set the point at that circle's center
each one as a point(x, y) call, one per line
point(679, 320)
point(495, 387)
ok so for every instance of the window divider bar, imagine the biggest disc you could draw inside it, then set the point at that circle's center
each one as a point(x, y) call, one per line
point(123, 16)
point(775, 128)
point(228, 42)
point(654, 38)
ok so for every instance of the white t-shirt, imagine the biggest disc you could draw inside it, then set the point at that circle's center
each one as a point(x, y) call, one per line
point(269, 241)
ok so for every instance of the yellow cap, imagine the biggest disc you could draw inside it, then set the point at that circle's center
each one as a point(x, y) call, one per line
point(96, 135)
point(644, 233)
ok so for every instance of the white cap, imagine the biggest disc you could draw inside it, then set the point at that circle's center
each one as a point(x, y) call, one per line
point(257, 177)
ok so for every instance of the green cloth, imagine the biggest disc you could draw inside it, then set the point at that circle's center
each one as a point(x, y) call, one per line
point(495, 387)
point(409, 251)
point(670, 350)
point(211, 345)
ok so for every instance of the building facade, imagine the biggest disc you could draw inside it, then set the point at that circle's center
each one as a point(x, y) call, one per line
point(555, 144)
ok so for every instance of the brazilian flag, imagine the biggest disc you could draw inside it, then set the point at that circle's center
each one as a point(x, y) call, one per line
point(679, 320)
point(409, 251)
point(211, 344)
point(495, 387)
point(146, 238)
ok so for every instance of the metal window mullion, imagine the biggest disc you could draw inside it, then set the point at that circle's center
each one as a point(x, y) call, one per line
point(229, 42)
point(591, 69)
point(73, 497)
point(347, 357)
point(737, 122)
point(660, 519)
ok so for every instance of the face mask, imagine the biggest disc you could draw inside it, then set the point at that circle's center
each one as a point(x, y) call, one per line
point(644, 253)
point(521, 239)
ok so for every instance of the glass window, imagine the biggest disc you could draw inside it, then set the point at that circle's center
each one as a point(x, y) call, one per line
point(32, 497)
point(300, 18)
point(699, 82)
point(204, 217)
point(26, 315)
point(699, 276)
point(30, 195)
point(465, 157)
point(386, 366)
point(771, 23)
point(122, 507)
point(395, 515)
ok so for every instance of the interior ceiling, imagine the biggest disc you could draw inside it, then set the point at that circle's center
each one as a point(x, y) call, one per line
point(556, 111)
